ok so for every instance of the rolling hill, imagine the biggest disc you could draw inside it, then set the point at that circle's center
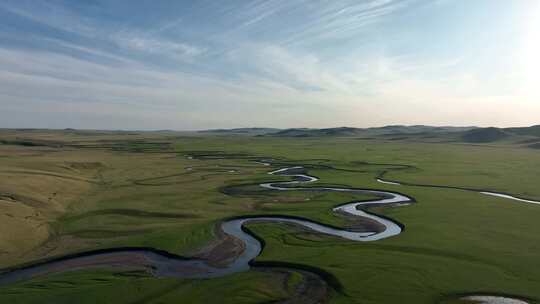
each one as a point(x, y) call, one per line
point(484, 135)
point(375, 131)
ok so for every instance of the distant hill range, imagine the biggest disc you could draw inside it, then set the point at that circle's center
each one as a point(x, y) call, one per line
point(338, 132)
point(481, 135)
point(529, 136)
point(523, 135)
point(241, 131)
point(387, 130)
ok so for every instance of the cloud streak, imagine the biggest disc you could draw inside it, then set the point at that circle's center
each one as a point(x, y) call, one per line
point(274, 63)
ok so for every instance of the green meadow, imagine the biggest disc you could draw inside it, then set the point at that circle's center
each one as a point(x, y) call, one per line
point(70, 193)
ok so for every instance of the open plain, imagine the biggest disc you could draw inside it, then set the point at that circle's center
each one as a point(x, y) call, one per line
point(70, 194)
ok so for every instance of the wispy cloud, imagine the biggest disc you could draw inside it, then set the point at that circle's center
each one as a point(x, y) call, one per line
point(51, 15)
point(281, 63)
point(163, 47)
point(134, 41)
point(305, 22)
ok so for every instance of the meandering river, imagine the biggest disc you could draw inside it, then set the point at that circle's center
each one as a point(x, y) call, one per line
point(163, 264)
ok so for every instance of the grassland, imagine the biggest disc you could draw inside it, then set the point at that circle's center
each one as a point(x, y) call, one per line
point(66, 192)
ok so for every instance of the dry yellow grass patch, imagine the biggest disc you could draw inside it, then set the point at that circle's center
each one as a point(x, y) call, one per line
point(36, 186)
point(22, 228)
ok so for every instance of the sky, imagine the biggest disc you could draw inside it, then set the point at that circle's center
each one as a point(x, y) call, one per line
point(185, 65)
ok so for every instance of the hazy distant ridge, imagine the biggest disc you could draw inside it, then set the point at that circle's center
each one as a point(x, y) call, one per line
point(339, 131)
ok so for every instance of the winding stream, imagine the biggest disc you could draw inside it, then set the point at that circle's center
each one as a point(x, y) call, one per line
point(483, 299)
point(491, 193)
point(163, 264)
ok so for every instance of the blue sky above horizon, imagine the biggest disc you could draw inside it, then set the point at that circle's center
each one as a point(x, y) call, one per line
point(217, 64)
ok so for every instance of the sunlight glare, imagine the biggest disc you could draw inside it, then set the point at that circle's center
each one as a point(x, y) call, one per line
point(529, 55)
